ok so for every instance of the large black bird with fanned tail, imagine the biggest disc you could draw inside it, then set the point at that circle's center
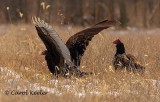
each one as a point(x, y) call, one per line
point(64, 58)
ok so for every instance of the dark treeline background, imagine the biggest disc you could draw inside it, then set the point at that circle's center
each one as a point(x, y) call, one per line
point(139, 13)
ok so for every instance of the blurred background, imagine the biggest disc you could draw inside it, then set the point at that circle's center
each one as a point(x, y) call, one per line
point(133, 13)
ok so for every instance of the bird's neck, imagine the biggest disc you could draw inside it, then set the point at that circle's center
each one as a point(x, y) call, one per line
point(120, 49)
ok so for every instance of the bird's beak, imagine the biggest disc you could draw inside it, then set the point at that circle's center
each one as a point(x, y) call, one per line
point(43, 52)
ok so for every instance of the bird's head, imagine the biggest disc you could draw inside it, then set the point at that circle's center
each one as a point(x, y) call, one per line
point(117, 42)
point(120, 47)
point(43, 52)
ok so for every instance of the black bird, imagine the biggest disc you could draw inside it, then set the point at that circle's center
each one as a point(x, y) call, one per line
point(65, 58)
point(125, 61)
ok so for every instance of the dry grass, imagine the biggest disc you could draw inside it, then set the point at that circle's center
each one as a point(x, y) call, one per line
point(19, 47)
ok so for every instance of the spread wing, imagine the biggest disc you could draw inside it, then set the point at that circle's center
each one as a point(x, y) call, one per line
point(78, 43)
point(51, 40)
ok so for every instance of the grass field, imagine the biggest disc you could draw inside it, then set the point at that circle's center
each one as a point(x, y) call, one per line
point(22, 68)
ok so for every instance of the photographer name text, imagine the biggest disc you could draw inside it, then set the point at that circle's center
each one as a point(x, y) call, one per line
point(25, 92)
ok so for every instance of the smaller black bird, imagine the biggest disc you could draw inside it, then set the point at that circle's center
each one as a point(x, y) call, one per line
point(125, 61)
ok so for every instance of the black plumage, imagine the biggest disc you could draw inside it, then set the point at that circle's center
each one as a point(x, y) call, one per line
point(122, 60)
point(65, 58)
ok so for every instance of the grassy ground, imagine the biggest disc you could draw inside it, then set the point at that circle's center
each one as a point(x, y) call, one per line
point(19, 48)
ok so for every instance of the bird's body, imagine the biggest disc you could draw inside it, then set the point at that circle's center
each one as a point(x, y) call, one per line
point(50, 63)
point(122, 60)
point(65, 58)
